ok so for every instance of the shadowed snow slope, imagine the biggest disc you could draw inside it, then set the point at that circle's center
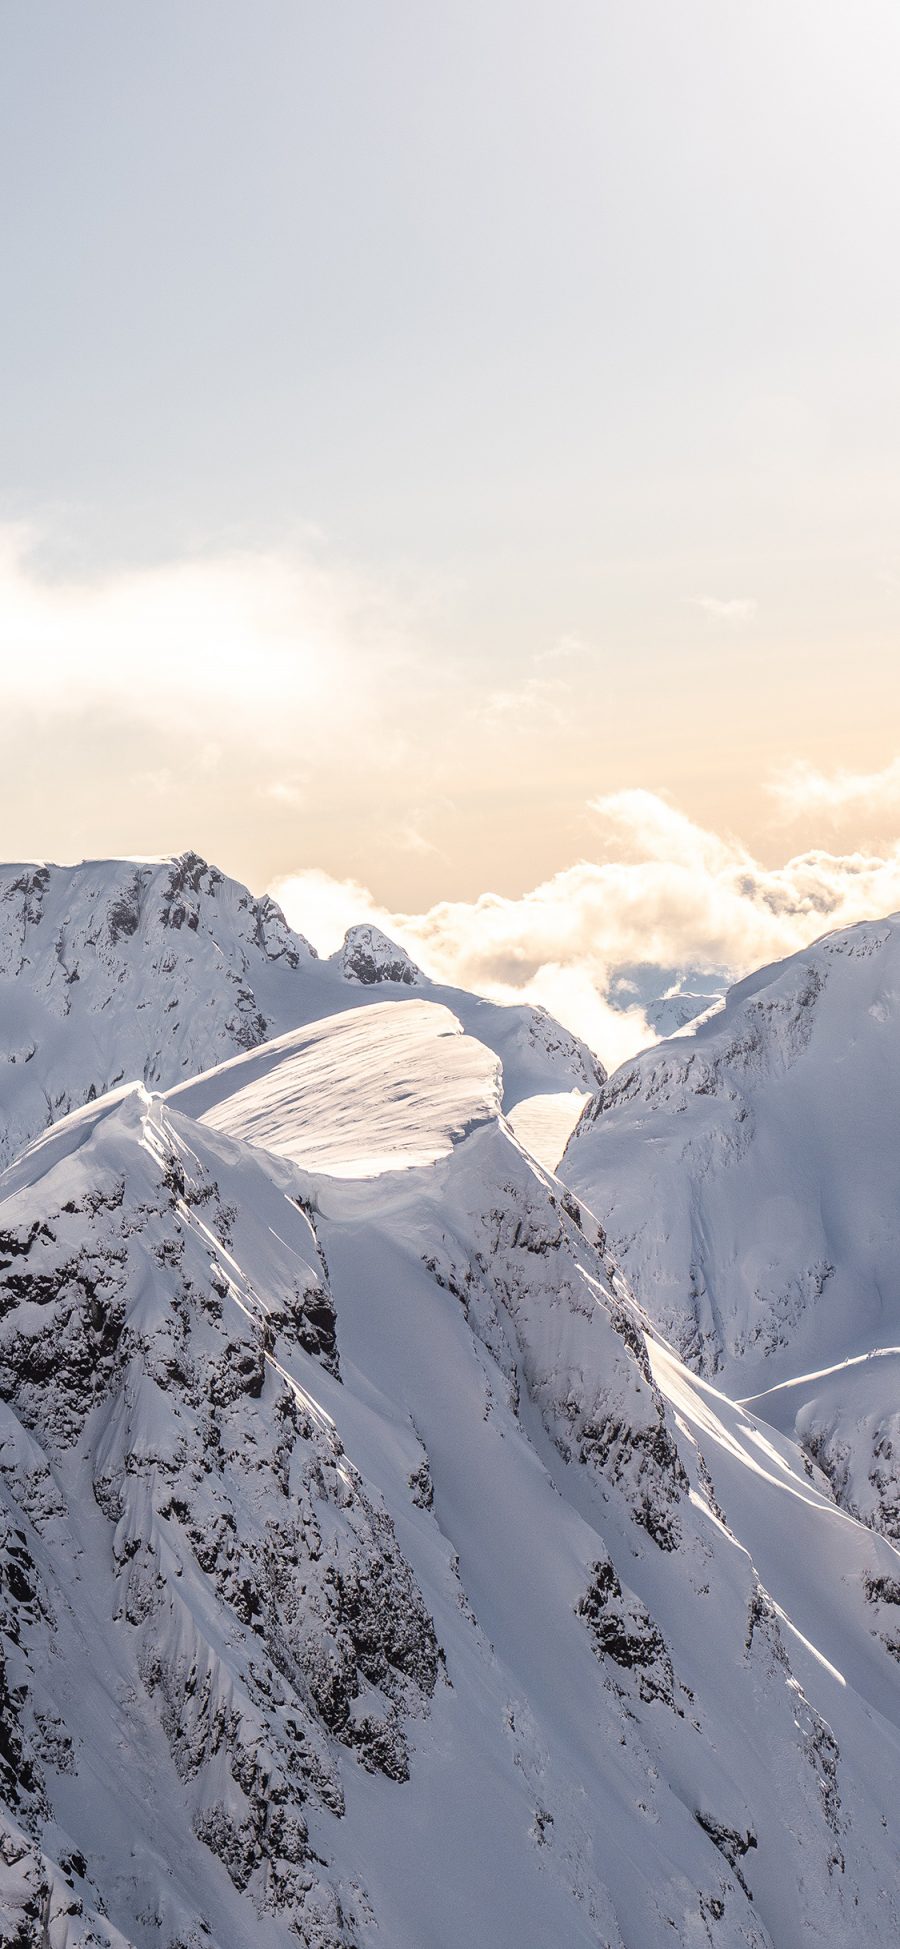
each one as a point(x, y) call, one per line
point(544, 1124)
point(747, 1179)
point(376, 1089)
point(157, 969)
point(369, 1576)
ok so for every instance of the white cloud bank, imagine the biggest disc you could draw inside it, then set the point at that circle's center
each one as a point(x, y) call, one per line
point(663, 891)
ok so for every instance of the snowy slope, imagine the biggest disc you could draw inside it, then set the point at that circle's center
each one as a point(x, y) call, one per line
point(669, 998)
point(380, 1089)
point(370, 1578)
point(155, 970)
point(747, 1178)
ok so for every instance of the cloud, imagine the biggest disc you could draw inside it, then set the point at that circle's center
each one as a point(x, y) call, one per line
point(220, 699)
point(543, 695)
point(800, 791)
point(566, 649)
point(323, 907)
point(290, 793)
point(664, 891)
point(409, 838)
point(734, 609)
point(638, 825)
point(530, 705)
point(225, 645)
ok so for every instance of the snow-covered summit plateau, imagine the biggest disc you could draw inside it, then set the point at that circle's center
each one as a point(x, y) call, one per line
point(372, 1572)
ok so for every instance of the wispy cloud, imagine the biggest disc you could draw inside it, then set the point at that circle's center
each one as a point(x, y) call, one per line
point(544, 692)
point(529, 705)
point(734, 610)
point(800, 790)
point(234, 644)
point(566, 649)
point(290, 793)
point(409, 838)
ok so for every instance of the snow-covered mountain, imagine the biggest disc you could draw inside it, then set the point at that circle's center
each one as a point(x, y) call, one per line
point(389, 1549)
point(668, 998)
point(369, 957)
point(157, 969)
point(747, 1178)
point(371, 1575)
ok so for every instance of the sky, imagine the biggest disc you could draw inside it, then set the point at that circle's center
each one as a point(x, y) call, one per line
point(447, 453)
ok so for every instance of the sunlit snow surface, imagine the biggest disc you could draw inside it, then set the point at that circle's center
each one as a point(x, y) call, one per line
point(394, 1586)
point(376, 1089)
point(118, 970)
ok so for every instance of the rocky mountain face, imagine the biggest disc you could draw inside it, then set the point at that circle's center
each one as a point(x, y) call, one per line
point(370, 1569)
point(122, 969)
point(158, 969)
point(367, 956)
point(746, 1177)
point(260, 1613)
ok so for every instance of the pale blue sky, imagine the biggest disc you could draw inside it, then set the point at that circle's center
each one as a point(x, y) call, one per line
point(555, 344)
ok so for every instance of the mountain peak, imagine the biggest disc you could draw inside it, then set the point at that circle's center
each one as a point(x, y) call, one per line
point(369, 956)
point(156, 969)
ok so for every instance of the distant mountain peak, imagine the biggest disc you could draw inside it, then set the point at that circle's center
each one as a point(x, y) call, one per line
point(369, 956)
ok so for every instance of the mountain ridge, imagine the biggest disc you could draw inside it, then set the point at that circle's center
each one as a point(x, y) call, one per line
point(372, 1566)
point(745, 1175)
point(158, 969)
point(385, 1574)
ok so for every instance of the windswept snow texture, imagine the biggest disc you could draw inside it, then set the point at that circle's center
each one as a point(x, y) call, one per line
point(369, 1576)
point(377, 1089)
point(156, 970)
point(544, 1124)
point(747, 1178)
